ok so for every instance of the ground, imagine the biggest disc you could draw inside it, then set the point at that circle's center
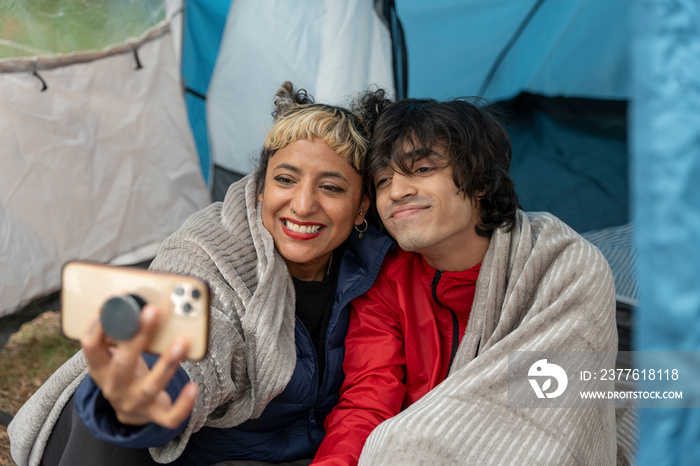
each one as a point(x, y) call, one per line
point(30, 356)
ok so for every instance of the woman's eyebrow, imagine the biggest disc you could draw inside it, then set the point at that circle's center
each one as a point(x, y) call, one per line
point(287, 166)
point(332, 175)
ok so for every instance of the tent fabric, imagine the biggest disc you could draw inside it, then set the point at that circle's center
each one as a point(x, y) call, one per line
point(665, 122)
point(99, 164)
point(617, 245)
point(333, 49)
point(61, 27)
point(398, 40)
point(560, 73)
point(12, 65)
point(570, 158)
point(203, 27)
point(577, 48)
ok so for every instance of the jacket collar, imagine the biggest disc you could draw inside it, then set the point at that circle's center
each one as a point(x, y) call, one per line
point(361, 262)
point(451, 286)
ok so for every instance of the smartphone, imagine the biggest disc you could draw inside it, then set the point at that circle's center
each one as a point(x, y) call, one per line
point(183, 302)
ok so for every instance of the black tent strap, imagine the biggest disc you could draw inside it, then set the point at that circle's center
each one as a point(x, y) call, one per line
point(44, 87)
point(508, 46)
point(195, 93)
point(386, 9)
point(136, 59)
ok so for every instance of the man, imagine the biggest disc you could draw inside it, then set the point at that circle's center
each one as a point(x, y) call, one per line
point(473, 280)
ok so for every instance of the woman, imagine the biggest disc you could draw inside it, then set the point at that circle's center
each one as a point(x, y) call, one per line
point(284, 254)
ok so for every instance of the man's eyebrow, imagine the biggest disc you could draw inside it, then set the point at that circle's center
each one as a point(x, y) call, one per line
point(420, 153)
point(406, 159)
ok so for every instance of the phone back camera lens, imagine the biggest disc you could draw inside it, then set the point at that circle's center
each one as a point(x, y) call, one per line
point(179, 291)
point(187, 308)
point(196, 294)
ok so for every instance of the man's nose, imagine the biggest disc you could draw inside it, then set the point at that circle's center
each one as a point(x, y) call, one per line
point(402, 186)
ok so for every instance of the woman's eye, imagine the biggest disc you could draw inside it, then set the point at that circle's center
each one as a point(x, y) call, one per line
point(332, 188)
point(283, 179)
point(424, 170)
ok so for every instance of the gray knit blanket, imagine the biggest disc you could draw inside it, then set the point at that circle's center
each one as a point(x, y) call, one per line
point(251, 355)
point(541, 288)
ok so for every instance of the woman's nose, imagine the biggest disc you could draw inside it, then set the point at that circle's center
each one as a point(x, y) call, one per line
point(305, 201)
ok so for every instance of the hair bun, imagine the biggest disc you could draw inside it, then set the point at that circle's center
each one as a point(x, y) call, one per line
point(369, 106)
point(287, 98)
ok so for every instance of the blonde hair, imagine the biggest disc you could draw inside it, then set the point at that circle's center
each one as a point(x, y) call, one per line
point(297, 117)
point(339, 128)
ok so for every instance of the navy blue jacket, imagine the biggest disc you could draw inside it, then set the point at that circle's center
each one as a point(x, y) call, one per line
point(291, 426)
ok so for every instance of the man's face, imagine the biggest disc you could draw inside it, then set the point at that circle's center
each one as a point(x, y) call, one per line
point(424, 211)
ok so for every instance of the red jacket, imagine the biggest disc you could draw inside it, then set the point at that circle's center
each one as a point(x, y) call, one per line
point(403, 335)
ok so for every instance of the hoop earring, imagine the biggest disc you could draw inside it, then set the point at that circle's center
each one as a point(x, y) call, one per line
point(362, 232)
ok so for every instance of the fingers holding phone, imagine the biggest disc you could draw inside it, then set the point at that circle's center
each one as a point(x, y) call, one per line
point(135, 392)
point(114, 364)
point(118, 313)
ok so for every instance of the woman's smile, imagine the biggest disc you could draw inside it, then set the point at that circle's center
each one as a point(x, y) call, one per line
point(302, 230)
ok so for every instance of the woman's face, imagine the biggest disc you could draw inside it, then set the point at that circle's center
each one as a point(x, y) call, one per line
point(325, 193)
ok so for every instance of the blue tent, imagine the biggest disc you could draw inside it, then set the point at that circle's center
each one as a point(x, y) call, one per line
point(665, 137)
point(601, 102)
point(601, 99)
point(560, 69)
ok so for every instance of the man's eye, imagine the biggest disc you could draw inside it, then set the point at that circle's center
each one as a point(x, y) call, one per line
point(380, 182)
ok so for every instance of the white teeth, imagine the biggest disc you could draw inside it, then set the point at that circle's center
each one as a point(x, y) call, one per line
point(302, 228)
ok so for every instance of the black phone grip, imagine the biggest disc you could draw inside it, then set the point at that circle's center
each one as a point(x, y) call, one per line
point(119, 316)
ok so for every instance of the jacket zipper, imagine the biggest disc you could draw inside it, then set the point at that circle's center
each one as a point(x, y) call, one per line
point(455, 322)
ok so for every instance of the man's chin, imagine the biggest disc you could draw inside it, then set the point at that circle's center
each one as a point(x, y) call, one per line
point(407, 236)
point(410, 243)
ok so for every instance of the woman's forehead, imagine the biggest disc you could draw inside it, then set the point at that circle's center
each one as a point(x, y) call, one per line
point(303, 155)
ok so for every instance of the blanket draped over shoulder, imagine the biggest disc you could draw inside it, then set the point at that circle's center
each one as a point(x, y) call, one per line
point(541, 288)
point(251, 355)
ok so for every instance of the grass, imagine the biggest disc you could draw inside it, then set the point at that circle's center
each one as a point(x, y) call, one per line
point(30, 356)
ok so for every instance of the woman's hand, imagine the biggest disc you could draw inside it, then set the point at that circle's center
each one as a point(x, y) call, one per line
point(136, 392)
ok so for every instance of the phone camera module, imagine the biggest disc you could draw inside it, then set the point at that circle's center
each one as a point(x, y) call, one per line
point(185, 298)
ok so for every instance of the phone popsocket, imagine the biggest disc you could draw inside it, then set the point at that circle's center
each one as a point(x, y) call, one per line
point(119, 315)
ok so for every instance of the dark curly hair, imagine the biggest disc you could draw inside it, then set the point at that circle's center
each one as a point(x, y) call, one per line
point(468, 133)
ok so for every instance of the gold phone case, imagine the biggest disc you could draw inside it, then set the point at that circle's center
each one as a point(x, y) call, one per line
point(183, 302)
